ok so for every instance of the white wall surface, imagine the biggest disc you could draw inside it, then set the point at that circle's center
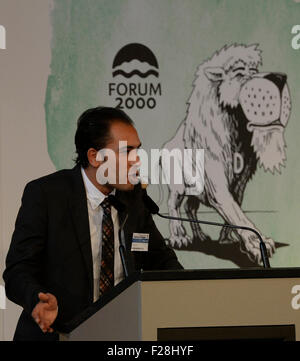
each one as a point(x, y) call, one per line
point(24, 68)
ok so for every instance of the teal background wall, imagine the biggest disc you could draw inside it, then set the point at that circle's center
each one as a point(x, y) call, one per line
point(86, 36)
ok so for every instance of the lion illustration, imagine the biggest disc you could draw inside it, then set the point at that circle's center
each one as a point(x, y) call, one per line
point(238, 116)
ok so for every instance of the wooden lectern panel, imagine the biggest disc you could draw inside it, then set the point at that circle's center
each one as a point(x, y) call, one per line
point(228, 302)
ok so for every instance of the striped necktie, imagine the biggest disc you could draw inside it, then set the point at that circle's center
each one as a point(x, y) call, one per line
point(107, 261)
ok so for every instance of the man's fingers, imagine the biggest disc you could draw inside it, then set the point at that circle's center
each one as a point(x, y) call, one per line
point(48, 298)
point(36, 315)
point(43, 297)
point(42, 327)
point(50, 306)
point(52, 300)
point(45, 328)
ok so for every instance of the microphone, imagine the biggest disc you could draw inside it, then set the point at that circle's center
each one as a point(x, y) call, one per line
point(154, 209)
point(120, 207)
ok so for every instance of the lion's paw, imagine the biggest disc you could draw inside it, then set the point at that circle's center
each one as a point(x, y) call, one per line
point(270, 245)
point(251, 246)
point(180, 241)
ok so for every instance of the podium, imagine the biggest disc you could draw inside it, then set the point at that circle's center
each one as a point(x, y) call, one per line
point(194, 305)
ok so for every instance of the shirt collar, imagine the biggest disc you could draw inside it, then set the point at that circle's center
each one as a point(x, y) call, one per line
point(93, 194)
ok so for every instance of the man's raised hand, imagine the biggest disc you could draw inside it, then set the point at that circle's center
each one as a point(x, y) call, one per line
point(45, 312)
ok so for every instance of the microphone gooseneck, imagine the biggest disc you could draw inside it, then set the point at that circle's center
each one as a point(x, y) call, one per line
point(154, 209)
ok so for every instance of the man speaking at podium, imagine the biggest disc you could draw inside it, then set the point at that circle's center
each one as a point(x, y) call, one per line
point(64, 252)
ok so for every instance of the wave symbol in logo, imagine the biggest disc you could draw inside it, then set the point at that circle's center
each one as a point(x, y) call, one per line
point(135, 59)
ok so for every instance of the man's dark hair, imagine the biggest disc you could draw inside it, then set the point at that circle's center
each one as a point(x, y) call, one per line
point(93, 130)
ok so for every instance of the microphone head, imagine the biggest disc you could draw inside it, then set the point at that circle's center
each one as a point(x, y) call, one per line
point(120, 207)
point(144, 185)
point(143, 181)
point(150, 204)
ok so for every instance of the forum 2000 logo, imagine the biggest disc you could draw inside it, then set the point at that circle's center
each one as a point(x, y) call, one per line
point(135, 78)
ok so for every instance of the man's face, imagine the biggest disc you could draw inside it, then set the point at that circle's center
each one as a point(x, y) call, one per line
point(124, 142)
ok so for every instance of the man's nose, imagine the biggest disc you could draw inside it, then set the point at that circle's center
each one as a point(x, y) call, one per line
point(134, 159)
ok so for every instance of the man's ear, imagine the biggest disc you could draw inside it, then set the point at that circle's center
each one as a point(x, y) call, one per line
point(214, 73)
point(92, 157)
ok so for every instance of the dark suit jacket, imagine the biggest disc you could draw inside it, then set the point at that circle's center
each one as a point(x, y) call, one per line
point(51, 247)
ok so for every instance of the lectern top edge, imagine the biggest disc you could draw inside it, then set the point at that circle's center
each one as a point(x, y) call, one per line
point(227, 273)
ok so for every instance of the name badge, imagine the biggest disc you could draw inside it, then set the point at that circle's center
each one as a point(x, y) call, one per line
point(140, 242)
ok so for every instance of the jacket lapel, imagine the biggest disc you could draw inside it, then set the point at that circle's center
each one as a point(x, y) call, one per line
point(79, 212)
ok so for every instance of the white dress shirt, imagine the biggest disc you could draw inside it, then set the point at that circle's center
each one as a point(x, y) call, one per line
point(94, 198)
